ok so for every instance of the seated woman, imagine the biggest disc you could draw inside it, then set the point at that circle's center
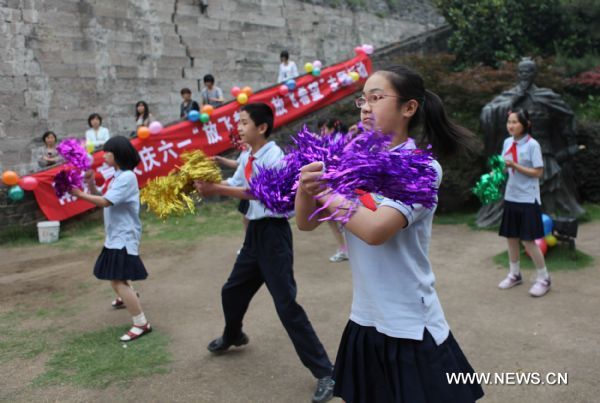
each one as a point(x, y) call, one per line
point(48, 155)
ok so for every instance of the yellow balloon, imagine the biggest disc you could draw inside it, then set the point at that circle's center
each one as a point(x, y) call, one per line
point(354, 76)
point(550, 240)
point(89, 146)
point(308, 67)
point(242, 98)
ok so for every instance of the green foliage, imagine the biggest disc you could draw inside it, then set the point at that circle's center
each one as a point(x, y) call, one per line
point(490, 31)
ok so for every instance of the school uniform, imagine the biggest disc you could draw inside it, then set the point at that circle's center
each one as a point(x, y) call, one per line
point(119, 259)
point(397, 345)
point(267, 257)
point(522, 215)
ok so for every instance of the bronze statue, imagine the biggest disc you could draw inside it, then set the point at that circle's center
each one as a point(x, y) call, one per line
point(553, 126)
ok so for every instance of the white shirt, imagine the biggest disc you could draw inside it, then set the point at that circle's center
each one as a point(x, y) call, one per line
point(97, 138)
point(122, 220)
point(523, 188)
point(287, 71)
point(393, 284)
point(268, 156)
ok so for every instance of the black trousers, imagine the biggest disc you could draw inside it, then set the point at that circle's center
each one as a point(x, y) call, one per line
point(267, 257)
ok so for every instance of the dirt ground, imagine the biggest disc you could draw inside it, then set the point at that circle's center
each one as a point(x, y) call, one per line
point(500, 331)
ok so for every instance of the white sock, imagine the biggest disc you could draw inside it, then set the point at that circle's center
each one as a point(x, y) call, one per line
point(515, 268)
point(542, 273)
point(140, 320)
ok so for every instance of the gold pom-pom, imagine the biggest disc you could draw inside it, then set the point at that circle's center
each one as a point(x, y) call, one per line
point(175, 194)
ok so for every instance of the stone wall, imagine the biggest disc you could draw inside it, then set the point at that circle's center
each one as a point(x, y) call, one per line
point(64, 59)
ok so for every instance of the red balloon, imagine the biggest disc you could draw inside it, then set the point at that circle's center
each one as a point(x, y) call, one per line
point(28, 182)
point(359, 50)
point(541, 243)
point(98, 178)
point(283, 90)
point(235, 91)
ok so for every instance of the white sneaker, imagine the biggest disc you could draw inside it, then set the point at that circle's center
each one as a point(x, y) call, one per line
point(510, 281)
point(340, 256)
point(540, 288)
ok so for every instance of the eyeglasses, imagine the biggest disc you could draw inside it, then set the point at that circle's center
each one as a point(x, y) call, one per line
point(371, 99)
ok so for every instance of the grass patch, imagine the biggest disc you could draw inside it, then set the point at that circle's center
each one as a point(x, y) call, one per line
point(210, 219)
point(592, 212)
point(558, 258)
point(96, 359)
point(18, 343)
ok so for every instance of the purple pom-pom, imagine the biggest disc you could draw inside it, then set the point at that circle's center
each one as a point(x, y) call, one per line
point(74, 153)
point(66, 180)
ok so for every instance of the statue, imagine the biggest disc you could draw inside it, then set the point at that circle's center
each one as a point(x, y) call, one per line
point(553, 126)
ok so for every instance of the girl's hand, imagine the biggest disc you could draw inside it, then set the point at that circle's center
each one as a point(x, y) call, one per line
point(205, 189)
point(76, 192)
point(89, 178)
point(509, 163)
point(310, 175)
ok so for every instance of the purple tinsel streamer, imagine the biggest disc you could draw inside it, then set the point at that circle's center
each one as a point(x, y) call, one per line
point(74, 153)
point(364, 162)
point(66, 180)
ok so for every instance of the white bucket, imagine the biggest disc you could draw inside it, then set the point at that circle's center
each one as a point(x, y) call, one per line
point(48, 231)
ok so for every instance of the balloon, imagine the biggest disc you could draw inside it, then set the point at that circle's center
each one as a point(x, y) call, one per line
point(155, 127)
point(548, 224)
point(308, 67)
point(143, 132)
point(247, 90)
point(208, 109)
point(235, 91)
point(317, 64)
point(15, 193)
point(90, 147)
point(291, 84)
point(283, 89)
point(354, 76)
point(193, 116)
point(242, 98)
point(316, 72)
point(98, 178)
point(10, 178)
point(551, 240)
point(28, 182)
point(205, 117)
point(541, 243)
point(359, 50)
point(368, 49)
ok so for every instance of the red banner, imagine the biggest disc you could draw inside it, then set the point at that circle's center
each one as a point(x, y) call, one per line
point(160, 153)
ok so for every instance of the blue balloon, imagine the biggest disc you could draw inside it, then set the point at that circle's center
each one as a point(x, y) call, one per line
point(193, 116)
point(316, 72)
point(291, 84)
point(548, 224)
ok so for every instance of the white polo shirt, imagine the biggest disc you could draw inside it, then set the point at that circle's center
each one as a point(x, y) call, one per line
point(523, 188)
point(268, 156)
point(122, 220)
point(393, 284)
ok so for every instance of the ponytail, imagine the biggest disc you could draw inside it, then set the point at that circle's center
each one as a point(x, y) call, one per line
point(445, 137)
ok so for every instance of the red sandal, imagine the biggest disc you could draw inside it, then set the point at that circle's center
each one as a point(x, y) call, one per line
point(119, 304)
point(136, 332)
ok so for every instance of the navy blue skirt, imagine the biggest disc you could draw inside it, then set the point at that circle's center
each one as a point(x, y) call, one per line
point(522, 220)
point(116, 264)
point(372, 367)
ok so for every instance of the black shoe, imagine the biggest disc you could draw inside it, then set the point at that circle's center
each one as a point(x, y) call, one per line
point(324, 391)
point(221, 344)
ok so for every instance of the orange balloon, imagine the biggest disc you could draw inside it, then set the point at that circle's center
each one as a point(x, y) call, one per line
point(247, 90)
point(208, 109)
point(143, 132)
point(10, 178)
